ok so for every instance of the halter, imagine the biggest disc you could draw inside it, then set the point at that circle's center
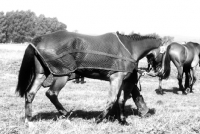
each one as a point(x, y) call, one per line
point(162, 51)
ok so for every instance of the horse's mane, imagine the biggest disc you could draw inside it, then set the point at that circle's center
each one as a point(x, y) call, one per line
point(135, 36)
point(195, 43)
point(36, 40)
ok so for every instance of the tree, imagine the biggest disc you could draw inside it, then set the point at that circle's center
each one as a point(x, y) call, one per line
point(3, 27)
point(166, 40)
point(48, 25)
point(21, 26)
point(24, 25)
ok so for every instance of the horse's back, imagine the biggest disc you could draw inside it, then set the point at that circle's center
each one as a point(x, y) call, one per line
point(61, 37)
point(177, 53)
point(183, 54)
point(60, 41)
point(192, 53)
point(65, 52)
point(176, 49)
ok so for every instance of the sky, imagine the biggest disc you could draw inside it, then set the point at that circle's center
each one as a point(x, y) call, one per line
point(177, 18)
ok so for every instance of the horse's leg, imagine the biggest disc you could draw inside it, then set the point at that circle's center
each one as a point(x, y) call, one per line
point(35, 86)
point(82, 80)
point(139, 102)
point(126, 90)
point(193, 78)
point(115, 84)
point(29, 96)
point(52, 93)
point(160, 86)
point(137, 97)
point(77, 79)
point(121, 101)
point(180, 77)
point(187, 80)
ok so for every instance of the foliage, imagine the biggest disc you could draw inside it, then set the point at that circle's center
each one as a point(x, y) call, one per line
point(3, 27)
point(22, 26)
point(167, 40)
point(48, 25)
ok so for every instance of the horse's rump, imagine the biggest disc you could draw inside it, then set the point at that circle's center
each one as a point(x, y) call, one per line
point(64, 52)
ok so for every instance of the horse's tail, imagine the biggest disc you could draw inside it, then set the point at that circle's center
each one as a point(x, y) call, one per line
point(26, 72)
point(166, 67)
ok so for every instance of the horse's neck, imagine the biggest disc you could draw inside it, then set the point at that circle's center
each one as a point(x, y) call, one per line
point(138, 48)
point(143, 47)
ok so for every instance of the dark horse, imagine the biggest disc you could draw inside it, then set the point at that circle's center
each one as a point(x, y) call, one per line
point(185, 58)
point(111, 57)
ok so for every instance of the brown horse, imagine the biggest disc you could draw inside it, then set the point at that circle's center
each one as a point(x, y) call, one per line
point(111, 57)
point(185, 58)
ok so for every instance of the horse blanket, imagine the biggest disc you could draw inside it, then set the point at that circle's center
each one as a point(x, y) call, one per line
point(64, 52)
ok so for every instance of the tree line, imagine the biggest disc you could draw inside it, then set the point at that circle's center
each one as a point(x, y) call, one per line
point(22, 26)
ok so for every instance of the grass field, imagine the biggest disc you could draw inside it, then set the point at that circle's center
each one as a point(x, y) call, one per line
point(175, 113)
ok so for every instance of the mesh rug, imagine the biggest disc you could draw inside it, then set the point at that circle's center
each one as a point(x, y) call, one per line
point(64, 52)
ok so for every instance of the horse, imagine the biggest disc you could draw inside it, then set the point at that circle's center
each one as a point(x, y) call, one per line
point(185, 58)
point(111, 57)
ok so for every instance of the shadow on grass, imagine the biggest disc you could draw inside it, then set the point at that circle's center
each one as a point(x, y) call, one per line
point(87, 115)
point(173, 90)
point(46, 116)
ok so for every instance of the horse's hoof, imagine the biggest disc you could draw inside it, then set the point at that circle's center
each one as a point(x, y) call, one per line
point(159, 91)
point(124, 122)
point(82, 82)
point(149, 113)
point(63, 117)
point(29, 124)
point(63, 113)
point(187, 90)
point(184, 93)
point(143, 111)
point(97, 120)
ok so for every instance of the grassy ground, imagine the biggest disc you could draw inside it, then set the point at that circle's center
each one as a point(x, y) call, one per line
point(175, 113)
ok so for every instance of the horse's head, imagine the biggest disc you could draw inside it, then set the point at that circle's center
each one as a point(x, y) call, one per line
point(154, 58)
